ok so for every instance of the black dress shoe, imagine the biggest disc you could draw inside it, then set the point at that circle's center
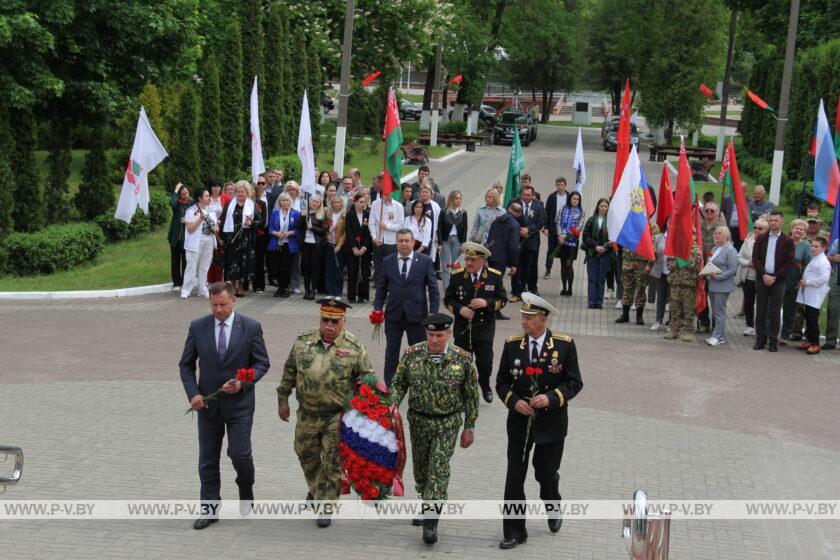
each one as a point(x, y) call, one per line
point(488, 396)
point(430, 535)
point(511, 542)
point(759, 344)
point(203, 523)
point(599, 306)
point(324, 522)
point(555, 524)
point(772, 346)
point(417, 522)
point(278, 293)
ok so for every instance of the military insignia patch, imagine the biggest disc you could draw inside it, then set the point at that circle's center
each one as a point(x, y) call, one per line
point(342, 353)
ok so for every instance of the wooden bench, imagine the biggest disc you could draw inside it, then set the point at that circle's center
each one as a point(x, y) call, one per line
point(415, 154)
point(469, 141)
point(660, 152)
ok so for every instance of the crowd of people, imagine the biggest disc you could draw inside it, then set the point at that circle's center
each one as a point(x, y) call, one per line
point(271, 233)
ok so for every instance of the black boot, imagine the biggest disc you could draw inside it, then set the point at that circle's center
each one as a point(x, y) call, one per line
point(639, 319)
point(773, 345)
point(759, 343)
point(625, 314)
point(430, 535)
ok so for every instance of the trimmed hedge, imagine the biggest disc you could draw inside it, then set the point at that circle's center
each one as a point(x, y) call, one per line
point(289, 164)
point(117, 230)
point(455, 127)
point(159, 210)
point(57, 247)
point(793, 190)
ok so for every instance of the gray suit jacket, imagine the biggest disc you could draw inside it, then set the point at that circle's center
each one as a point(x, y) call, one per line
point(245, 349)
point(727, 262)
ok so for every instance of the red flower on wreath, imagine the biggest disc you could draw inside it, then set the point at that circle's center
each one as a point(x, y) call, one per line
point(364, 391)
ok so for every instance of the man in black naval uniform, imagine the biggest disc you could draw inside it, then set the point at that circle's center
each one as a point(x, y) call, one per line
point(474, 295)
point(538, 376)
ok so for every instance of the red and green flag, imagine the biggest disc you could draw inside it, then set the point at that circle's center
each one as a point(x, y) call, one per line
point(393, 141)
point(704, 89)
point(732, 180)
point(456, 80)
point(760, 102)
point(622, 150)
point(680, 236)
point(666, 200)
point(369, 79)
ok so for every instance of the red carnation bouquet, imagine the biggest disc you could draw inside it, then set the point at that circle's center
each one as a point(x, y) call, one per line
point(574, 232)
point(371, 442)
point(532, 374)
point(377, 319)
point(243, 375)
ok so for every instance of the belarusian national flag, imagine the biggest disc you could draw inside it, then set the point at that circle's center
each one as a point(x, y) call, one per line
point(680, 227)
point(515, 166)
point(666, 200)
point(393, 142)
point(732, 179)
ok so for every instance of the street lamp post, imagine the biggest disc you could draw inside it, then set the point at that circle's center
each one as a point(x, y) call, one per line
point(344, 90)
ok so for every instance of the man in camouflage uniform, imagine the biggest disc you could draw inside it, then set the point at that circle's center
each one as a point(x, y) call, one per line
point(683, 285)
point(442, 383)
point(634, 279)
point(322, 367)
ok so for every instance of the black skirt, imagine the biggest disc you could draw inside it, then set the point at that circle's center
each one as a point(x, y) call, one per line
point(568, 253)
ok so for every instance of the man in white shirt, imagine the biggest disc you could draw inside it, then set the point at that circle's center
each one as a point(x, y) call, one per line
point(386, 219)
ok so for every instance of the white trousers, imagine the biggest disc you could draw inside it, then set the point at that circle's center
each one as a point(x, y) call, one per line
point(198, 262)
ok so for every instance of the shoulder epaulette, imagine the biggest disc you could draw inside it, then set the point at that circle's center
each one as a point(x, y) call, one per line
point(308, 332)
point(461, 352)
point(351, 338)
point(493, 270)
point(515, 337)
point(563, 337)
point(457, 270)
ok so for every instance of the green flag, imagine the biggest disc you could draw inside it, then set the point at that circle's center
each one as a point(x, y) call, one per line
point(515, 167)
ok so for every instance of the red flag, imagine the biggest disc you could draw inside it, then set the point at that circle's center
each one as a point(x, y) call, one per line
point(622, 151)
point(744, 220)
point(704, 89)
point(393, 141)
point(666, 200)
point(370, 78)
point(679, 237)
point(456, 80)
point(758, 101)
point(700, 294)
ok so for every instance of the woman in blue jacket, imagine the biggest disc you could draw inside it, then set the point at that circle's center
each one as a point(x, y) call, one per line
point(283, 242)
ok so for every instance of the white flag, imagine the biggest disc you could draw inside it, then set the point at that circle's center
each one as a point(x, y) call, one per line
point(257, 163)
point(146, 154)
point(578, 166)
point(304, 150)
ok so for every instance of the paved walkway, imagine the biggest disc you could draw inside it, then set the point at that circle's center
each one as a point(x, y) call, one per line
point(91, 392)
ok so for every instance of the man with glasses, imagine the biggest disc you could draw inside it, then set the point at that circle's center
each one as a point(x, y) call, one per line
point(322, 367)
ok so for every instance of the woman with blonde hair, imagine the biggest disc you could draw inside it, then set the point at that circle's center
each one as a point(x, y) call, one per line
point(334, 257)
point(452, 232)
point(237, 233)
point(485, 215)
point(722, 283)
point(292, 188)
point(283, 241)
point(312, 228)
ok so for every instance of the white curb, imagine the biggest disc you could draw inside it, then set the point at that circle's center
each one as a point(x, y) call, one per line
point(82, 294)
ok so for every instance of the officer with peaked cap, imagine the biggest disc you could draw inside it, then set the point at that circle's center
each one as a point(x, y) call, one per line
point(538, 375)
point(474, 295)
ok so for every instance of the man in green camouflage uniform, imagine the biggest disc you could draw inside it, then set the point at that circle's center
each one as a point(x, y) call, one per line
point(683, 286)
point(322, 367)
point(442, 383)
point(634, 278)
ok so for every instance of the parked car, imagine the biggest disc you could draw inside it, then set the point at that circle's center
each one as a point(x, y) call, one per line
point(486, 112)
point(327, 102)
point(609, 132)
point(409, 110)
point(524, 122)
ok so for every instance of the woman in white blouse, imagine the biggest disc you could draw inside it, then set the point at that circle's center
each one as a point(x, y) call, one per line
point(813, 288)
point(200, 228)
point(420, 226)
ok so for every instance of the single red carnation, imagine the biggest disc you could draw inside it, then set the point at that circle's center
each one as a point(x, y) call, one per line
point(529, 371)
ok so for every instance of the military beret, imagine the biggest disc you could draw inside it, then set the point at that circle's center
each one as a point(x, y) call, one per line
point(437, 322)
point(333, 307)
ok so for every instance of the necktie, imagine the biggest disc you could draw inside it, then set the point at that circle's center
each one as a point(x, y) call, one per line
point(534, 352)
point(221, 345)
point(404, 271)
point(527, 207)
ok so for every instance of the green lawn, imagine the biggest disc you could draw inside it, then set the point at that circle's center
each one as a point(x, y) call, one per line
point(139, 262)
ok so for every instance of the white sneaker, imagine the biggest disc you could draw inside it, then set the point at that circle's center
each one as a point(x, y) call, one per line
point(749, 331)
point(715, 341)
point(608, 294)
point(297, 291)
point(656, 326)
point(184, 297)
point(618, 305)
point(633, 307)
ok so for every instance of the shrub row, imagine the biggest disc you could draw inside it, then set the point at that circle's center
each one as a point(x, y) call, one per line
point(57, 247)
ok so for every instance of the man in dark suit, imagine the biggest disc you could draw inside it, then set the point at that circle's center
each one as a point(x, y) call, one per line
point(223, 343)
point(538, 375)
point(531, 222)
point(553, 205)
point(773, 256)
point(406, 275)
point(474, 295)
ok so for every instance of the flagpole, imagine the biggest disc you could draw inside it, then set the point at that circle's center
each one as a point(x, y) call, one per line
point(724, 90)
point(344, 90)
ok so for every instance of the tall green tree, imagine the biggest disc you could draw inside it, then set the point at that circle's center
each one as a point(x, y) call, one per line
point(252, 39)
point(233, 100)
point(275, 58)
point(210, 129)
point(96, 194)
point(614, 33)
point(58, 165)
point(7, 179)
point(29, 192)
point(299, 82)
point(289, 126)
point(184, 155)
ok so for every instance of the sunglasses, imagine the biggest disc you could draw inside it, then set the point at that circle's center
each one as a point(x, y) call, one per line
point(710, 211)
point(263, 184)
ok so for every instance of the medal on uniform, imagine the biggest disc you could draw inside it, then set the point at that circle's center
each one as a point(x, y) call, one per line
point(390, 215)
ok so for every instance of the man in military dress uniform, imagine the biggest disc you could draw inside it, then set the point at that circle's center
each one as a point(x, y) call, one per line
point(635, 270)
point(441, 383)
point(321, 368)
point(474, 295)
point(538, 376)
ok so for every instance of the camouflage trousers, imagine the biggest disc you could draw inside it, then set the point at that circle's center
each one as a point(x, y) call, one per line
point(683, 304)
point(635, 281)
point(432, 445)
point(316, 445)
